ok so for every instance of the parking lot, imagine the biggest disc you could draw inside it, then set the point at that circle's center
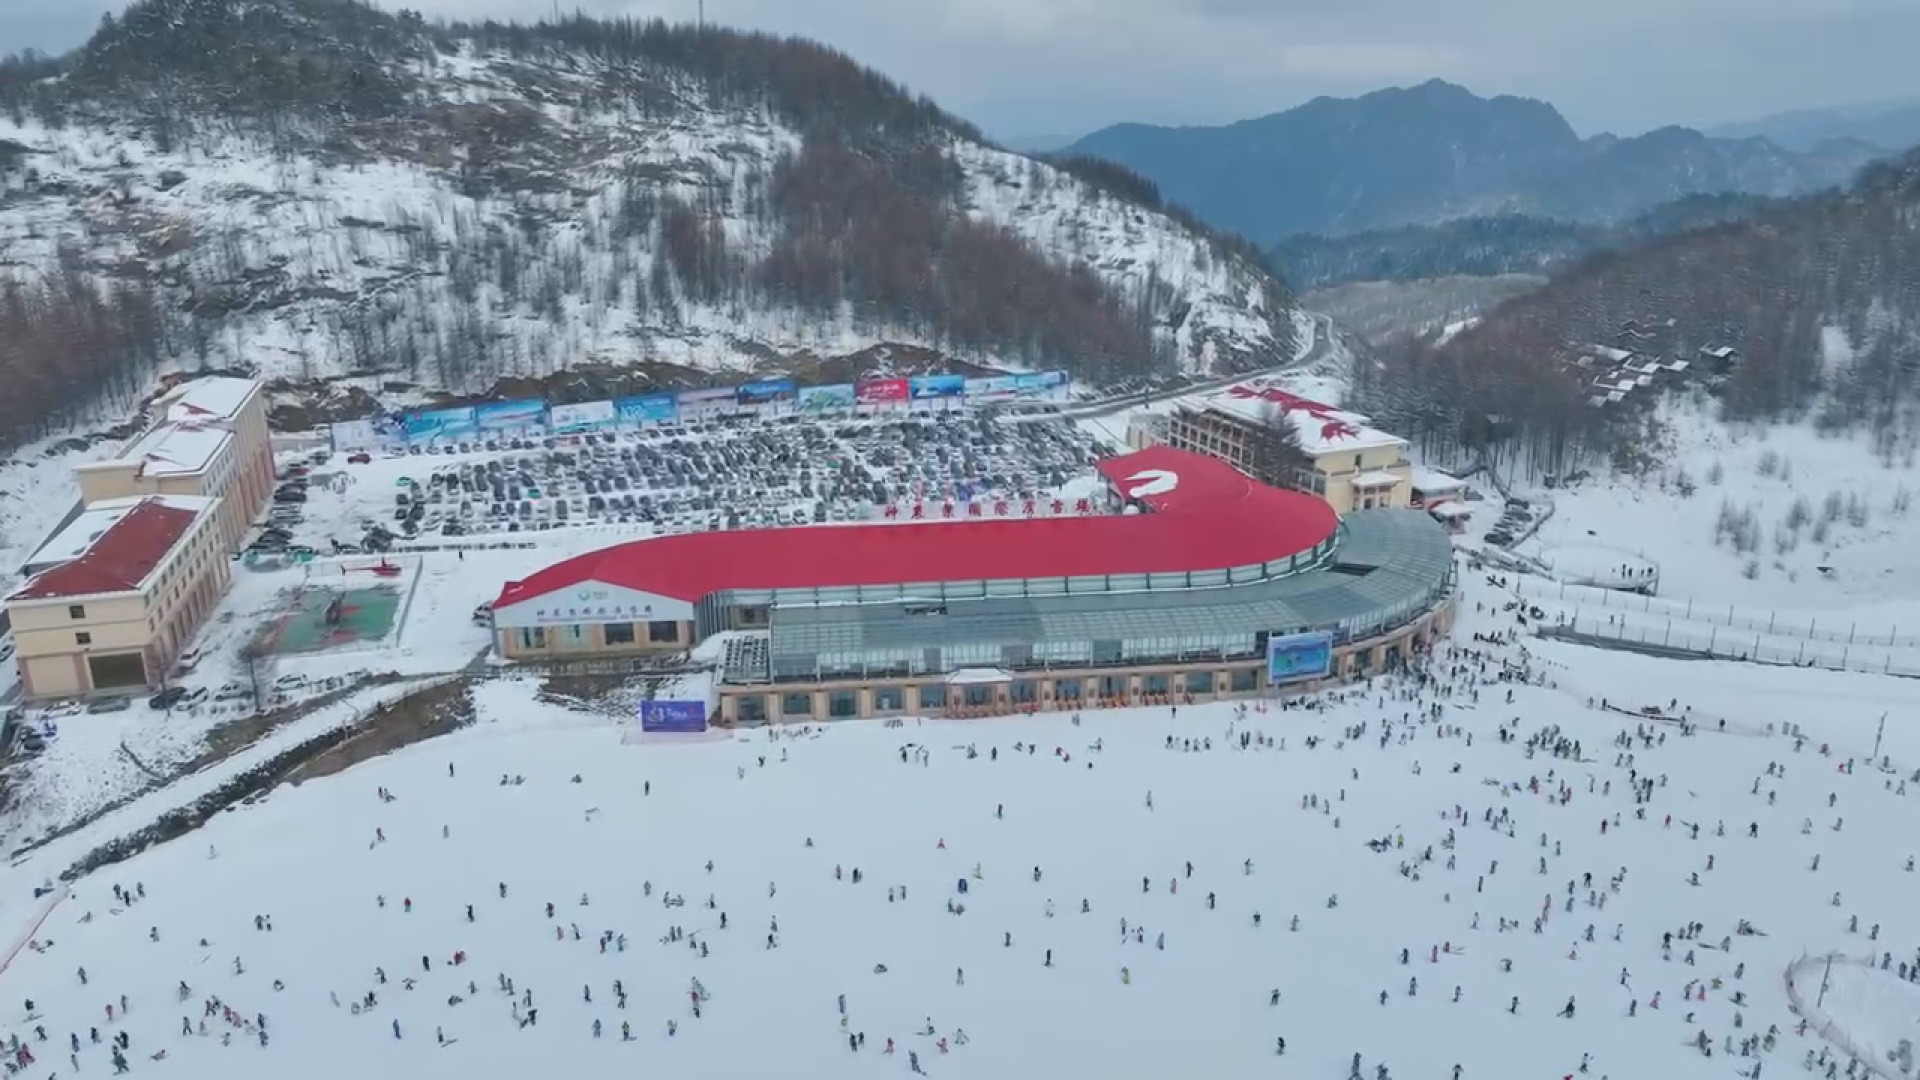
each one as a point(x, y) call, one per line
point(727, 473)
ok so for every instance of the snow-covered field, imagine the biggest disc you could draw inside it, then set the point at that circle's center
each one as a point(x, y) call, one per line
point(1277, 826)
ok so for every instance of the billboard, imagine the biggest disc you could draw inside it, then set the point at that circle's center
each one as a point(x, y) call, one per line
point(648, 409)
point(880, 391)
point(699, 402)
point(357, 434)
point(1294, 657)
point(430, 424)
point(510, 415)
point(587, 416)
point(933, 387)
point(996, 388)
point(1035, 383)
point(839, 397)
point(765, 392)
point(677, 717)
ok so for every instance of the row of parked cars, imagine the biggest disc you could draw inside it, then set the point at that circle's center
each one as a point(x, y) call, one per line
point(1515, 519)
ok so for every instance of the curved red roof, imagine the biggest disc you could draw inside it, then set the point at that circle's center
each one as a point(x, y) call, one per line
point(1206, 515)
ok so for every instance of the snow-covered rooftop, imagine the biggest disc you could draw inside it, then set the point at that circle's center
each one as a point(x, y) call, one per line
point(217, 398)
point(113, 546)
point(1375, 478)
point(1323, 429)
point(177, 449)
point(1432, 480)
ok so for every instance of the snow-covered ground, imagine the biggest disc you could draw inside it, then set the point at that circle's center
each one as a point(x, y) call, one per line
point(1777, 516)
point(1110, 814)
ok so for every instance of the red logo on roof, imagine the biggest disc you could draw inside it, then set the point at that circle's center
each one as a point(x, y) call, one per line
point(1332, 426)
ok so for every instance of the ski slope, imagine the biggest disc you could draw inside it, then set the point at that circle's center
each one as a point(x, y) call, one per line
point(777, 816)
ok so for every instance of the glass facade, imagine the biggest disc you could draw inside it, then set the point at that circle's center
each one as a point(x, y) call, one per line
point(1382, 570)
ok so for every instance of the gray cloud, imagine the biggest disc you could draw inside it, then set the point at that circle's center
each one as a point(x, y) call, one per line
point(1022, 67)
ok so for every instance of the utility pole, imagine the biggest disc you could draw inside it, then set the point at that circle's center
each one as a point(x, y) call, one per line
point(1824, 974)
point(702, 24)
point(1882, 730)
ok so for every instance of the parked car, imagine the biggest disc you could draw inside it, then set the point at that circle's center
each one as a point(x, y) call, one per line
point(168, 698)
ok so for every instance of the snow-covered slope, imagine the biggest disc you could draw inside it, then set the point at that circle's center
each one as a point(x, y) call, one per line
point(404, 260)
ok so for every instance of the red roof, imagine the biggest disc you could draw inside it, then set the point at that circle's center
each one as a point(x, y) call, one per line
point(1209, 516)
point(124, 555)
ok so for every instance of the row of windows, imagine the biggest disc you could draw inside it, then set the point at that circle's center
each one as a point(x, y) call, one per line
point(580, 636)
point(893, 699)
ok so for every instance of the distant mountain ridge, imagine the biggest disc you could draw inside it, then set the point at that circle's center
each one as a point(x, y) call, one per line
point(1493, 245)
point(1887, 126)
point(1435, 152)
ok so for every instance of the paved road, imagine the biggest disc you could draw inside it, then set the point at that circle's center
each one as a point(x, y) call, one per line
point(1316, 352)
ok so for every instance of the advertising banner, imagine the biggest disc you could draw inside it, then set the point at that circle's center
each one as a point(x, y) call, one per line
point(1036, 383)
point(587, 416)
point(676, 717)
point(350, 435)
point(1296, 657)
point(510, 415)
point(838, 397)
point(936, 387)
point(431, 424)
point(996, 388)
point(764, 392)
point(648, 409)
point(880, 391)
point(704, 402)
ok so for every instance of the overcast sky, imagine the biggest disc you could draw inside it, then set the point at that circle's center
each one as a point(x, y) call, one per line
point(1023, 68)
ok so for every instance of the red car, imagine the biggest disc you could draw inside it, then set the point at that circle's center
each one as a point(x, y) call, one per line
point(361, 458)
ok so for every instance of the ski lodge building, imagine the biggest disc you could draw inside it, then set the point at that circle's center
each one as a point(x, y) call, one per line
point(1349, 464)
point(1198, 583)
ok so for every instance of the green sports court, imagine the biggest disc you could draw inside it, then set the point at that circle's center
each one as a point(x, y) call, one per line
point(328, 618)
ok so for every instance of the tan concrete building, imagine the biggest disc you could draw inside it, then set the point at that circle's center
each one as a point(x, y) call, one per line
point(1351, 465)
point(211, 441)
point(118, 595)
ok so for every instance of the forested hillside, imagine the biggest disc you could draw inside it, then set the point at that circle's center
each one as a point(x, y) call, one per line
point(1489, 246)
point(1821, 297)
point(320, 190)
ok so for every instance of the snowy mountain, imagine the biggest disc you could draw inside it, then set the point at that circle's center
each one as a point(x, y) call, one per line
point(316, 189)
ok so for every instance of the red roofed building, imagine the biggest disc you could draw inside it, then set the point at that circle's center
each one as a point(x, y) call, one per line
point(1191, 558)
point(117, 594)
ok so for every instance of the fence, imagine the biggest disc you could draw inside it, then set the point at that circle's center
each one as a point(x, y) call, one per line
point(1717, 644)
point(1833, 1033)
point(1837, 628)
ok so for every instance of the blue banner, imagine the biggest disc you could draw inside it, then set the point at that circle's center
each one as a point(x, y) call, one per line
point(765, 392)
point(1039, 382)
point(586, 416)
point(510, 415)
point(647, 409)
point(838, 397)
point(924, 387)
point(677, 717)
point(431, 424)
point(1296, 657)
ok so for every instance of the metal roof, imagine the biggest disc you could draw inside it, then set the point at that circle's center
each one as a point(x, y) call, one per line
point(1386, 563)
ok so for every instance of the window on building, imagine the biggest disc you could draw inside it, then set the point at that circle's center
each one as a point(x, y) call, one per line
point(533, 637)
point(1244, 680)
point(888, 699)
point(76, 611)
point(619, 633)
point(662, 631)
point(842, 704)
point(1066, 689)
point(796, 705)
point(1356, 461)
point(82, 638)
point(1199, 682)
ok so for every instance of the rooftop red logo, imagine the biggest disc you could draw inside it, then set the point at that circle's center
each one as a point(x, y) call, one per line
point(1149, 482)
point(1332, 426)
